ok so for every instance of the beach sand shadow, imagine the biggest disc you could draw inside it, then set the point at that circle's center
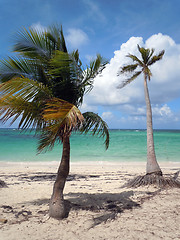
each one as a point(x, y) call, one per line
point(52, 177)
point(115, 202)
point(106, 205)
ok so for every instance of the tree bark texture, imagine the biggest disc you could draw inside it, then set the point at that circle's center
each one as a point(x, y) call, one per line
point(57, 206)
point(152, 165)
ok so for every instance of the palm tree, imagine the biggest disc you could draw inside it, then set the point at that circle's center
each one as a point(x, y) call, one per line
point(142, 66)
point(43, 87)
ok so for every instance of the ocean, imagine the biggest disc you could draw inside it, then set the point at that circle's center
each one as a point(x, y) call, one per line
point(125, 146)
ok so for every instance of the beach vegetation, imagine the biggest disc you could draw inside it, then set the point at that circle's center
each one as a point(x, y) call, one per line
point(43, 87)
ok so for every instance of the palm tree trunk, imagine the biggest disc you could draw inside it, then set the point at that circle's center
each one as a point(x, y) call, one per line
point(57, 206)
point(152, 165)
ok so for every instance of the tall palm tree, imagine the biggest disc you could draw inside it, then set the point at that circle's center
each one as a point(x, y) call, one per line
point(43, 87)
point(142, 66)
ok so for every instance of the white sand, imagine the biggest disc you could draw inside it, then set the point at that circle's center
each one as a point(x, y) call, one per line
point(101, 208)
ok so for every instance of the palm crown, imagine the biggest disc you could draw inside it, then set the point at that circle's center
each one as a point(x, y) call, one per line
point(44, 86)
point(143, 64)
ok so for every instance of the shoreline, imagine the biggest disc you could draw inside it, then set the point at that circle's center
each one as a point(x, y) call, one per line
point(118, 163)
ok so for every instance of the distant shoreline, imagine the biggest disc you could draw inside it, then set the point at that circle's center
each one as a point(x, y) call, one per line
point(84, 163)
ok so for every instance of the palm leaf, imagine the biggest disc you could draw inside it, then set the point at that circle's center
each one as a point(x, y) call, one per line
point(13, 67)
point(129, 80)
point(95, 124)
point(16, 67)
point(150, 55)
point(26, 88)
point(23, 98)
point(60, 110)
point(16, 107)
point(156, 58)
point(96, 67)
point(145, 53)
point(128, 69)
point(55, 35)
point(47, 140)
point(135, 59)
point(31, 43)
point(147, 73)
point(61, 118)
point(62, 64)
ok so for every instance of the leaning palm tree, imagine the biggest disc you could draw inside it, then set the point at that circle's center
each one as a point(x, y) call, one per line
point(43, 88)
point(142, 66)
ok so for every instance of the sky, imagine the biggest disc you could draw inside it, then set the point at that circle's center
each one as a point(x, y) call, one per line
point(113, 29)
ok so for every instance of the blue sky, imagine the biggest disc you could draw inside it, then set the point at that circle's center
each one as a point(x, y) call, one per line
point(113, 29)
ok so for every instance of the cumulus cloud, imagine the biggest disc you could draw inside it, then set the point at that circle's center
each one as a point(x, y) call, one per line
point(164, 85)
point(132, 117)
point(76, 38)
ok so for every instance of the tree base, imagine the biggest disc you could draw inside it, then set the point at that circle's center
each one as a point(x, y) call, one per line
point(153, 179)
point(59, 209)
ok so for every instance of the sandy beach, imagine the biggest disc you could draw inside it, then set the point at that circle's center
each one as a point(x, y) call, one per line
point(100, 207)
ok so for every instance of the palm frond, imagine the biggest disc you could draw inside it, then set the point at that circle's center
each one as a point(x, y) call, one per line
point(66, 77)
point(31, 43)
point(55, 34)
point(135, 59)
point(96, 67)
point(145, 53)
point(75, 54)
point(13, 67)
point(15, 108)
point(62, 64)
point(60, 110)
point(61, 118)
point(156, 58)
point(130, 79)
point(150, 55)
point(24, 98)
point(94, 124)
point(147, 73)
point(25, 88)
point(128, 69)
point(47, 140)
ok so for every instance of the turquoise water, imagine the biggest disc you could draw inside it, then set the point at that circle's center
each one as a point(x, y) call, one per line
point(125, 145)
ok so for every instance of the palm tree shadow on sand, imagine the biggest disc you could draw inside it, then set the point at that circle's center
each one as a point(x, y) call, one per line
point(106, 205)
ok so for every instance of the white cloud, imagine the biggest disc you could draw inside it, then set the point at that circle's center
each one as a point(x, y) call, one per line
point(88, 108)
point(164, 85)
point(107, 115)
point(76, 38)
point(163, 111)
